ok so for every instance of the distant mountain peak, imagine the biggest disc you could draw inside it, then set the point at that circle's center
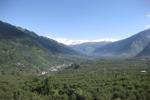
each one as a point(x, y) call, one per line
point(76, 42)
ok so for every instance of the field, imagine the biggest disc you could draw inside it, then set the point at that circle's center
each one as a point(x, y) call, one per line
point(97, 80)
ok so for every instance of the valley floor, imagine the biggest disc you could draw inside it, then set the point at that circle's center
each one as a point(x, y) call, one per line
point(99, 80)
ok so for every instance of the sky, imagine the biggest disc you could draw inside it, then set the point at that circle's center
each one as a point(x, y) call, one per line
point(78, 19)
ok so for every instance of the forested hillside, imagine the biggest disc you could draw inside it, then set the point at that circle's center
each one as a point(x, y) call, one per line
point(23, 51)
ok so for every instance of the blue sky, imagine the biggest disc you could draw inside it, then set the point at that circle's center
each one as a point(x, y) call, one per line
point(78, 19)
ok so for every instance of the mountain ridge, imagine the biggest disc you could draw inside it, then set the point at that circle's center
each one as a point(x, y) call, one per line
point(145, 53)
point(128, 47)
point(24, 51)
point(88, 47)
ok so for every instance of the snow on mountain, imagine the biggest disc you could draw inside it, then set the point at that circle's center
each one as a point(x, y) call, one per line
point(75, 42)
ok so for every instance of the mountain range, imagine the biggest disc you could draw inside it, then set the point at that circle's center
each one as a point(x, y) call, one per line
point(126, 48)
point(137, 45)
point(24, 50)
point(89, 47)
point(72, 42)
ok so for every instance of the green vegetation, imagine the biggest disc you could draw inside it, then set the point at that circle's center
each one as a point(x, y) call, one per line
point(23, 51)
point(102, 80)
point(33, 67)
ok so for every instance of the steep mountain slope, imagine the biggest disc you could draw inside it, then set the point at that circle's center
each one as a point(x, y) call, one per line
point(89, 47)
point(24, 51)
point(55, 47)
point(145, 53)
point(129, 47)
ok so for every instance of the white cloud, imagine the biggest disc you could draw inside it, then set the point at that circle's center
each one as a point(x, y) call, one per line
point(74, 42)
point(147, 26)
point(105, 39)
point(148, 15)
